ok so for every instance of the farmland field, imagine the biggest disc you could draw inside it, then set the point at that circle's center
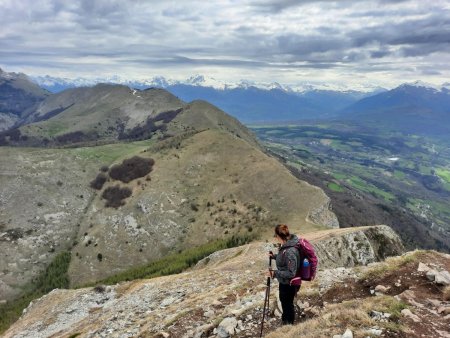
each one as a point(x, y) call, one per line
point(374, 176)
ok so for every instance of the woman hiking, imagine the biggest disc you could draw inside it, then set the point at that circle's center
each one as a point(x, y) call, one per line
point(287, 261)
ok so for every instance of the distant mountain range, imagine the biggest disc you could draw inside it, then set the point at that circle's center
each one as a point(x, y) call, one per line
point(57, 84)
point(248, 101)
point(413, 108)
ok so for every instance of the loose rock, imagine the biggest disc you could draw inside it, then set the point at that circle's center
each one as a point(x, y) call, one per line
point(442, 278)
point(374, 332)
point(423, 267)
point(445, 310)
point(347, 334)
point(431, 275)
point(381, 289)
point(409, 314)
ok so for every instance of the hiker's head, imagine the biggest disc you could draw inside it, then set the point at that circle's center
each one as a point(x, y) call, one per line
point(282, 232)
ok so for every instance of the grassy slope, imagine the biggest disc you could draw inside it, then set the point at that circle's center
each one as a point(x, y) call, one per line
point(210, 185)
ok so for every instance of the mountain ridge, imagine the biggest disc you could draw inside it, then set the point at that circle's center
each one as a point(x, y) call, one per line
point(18, 97)
point(108, 113)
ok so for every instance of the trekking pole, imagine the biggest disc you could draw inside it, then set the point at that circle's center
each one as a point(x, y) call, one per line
point(266, 299)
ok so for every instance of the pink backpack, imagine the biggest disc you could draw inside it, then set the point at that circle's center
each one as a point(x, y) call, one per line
point(307, 266)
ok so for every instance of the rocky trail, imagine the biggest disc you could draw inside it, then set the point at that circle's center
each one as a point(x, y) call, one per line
point(223, 296)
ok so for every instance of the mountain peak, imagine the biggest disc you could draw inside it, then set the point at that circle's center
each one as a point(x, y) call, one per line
point(420, 84)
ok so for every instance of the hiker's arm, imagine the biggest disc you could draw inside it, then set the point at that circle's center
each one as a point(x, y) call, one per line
point(292, 263)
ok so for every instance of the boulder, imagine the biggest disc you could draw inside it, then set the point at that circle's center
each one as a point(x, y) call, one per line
point(381, 289)
point(227, 327)
point(442, 278)
point(431, 275)
point(423, 267)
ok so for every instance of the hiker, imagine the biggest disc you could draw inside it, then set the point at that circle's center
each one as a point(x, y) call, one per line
point(287, 261)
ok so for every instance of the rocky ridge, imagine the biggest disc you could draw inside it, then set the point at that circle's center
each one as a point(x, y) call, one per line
point(221, 297)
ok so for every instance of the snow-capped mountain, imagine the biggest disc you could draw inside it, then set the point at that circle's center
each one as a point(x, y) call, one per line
point(56, 84)
point(252, 101)
point(423, 85)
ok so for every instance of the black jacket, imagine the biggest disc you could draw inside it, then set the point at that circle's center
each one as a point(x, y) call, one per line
point(287, 261)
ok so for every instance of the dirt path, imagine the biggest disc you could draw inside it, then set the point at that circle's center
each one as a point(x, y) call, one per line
point(317, 236)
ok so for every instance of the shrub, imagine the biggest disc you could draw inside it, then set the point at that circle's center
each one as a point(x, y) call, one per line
point(100, 257)
point(99, 288)
point(73, 137)
point(115, 196)
point(131, 169)
point(98, 182)
point(178, 262)
point(104, 168)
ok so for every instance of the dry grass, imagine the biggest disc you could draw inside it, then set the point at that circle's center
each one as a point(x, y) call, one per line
point(391, 264)
point(336, 318)
point(446, 293)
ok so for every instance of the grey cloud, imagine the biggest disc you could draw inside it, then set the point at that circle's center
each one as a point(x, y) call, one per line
point(379, 54)
point(111, 9)
point(433, 29)
point(305, 45)
point(270, 6)
point(194, 33)
point(431, 72)
point(423, 50)
point(274, 5)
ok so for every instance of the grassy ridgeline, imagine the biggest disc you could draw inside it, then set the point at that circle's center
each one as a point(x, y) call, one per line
point(55, 276)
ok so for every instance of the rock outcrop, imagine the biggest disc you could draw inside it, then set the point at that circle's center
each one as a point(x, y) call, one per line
point(360, 246)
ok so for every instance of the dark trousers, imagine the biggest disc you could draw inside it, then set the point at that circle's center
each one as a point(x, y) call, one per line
point(287, 294)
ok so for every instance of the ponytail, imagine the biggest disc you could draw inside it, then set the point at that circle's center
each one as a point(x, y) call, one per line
point(282, 231)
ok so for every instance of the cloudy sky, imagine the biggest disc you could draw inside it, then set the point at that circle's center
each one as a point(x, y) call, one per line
point(380, 42)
